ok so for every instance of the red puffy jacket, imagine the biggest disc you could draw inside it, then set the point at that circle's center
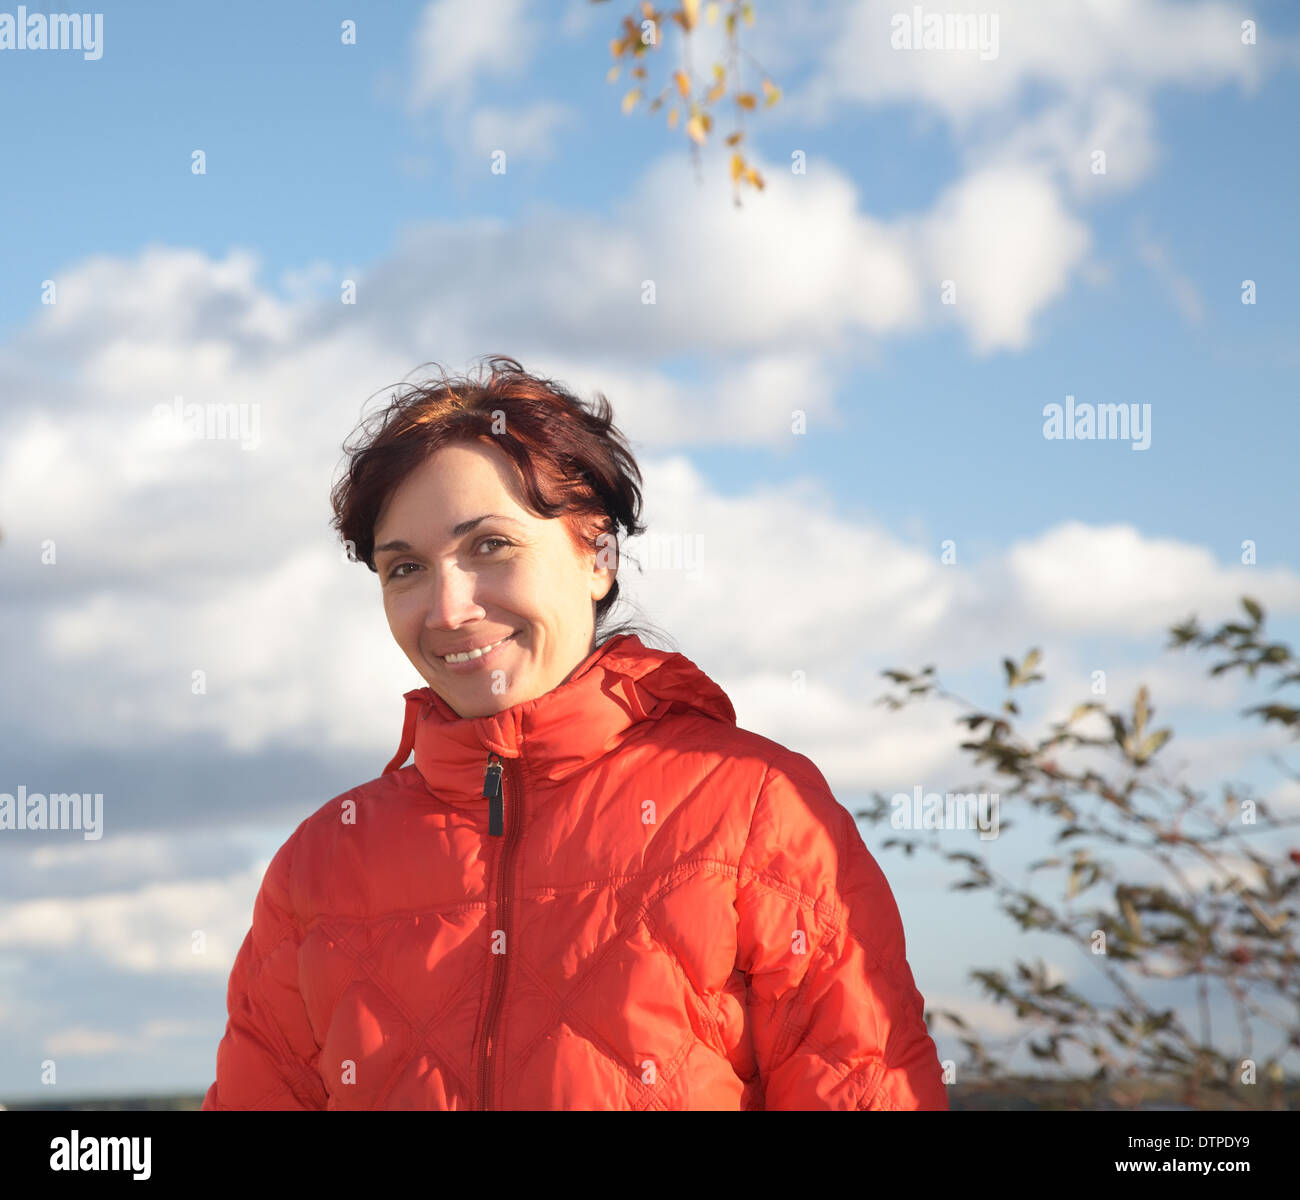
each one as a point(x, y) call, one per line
point(609, 897)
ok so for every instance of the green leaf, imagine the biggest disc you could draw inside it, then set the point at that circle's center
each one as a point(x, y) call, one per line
point(1252, 607)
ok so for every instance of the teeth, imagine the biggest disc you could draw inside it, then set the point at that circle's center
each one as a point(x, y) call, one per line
point(458, 658)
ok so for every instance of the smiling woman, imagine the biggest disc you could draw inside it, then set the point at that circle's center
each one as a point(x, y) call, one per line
point(557, 483)
point(590, 889)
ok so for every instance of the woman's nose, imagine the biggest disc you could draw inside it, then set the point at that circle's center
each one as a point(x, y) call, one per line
point(451, 602)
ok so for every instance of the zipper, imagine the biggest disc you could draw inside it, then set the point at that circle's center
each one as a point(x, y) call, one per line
point(498, 827)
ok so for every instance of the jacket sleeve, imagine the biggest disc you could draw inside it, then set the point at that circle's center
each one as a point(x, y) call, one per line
point(267, 1058)
point(835, 1015)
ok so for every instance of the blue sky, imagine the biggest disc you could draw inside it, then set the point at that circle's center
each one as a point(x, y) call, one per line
point(370, 162)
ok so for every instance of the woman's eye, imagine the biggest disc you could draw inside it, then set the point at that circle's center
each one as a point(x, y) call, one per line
point(397, 573)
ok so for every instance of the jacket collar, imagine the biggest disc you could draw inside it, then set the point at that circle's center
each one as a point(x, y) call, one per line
point(620, 685)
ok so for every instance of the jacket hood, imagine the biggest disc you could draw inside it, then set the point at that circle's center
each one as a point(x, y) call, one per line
point(621, 684)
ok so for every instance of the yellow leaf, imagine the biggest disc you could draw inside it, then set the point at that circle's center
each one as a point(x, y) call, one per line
point(737, 167)
point(746, 100)
point(773, 96)
point(714, 93)
point(735, 137)
point(748, 13)
point(616, 47)
point(672, 117)
point(638, 72)
point(719, 72)
point(613, 74)
point(691, 10)
point(647, 9)
point(629, 101)
point(683, 84)
point(696, 127)
point(711, 13)
point(755, 178)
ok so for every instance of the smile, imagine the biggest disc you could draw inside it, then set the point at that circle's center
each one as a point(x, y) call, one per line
point(472, 655)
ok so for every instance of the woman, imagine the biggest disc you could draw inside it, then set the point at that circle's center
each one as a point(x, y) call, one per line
point(590, 890)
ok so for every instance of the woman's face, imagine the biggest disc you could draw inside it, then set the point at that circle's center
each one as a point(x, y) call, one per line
point(515, 575)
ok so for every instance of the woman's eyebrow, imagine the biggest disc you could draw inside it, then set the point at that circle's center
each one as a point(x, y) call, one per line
point(462, 528)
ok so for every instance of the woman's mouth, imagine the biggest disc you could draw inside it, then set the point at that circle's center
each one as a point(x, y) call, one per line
point(475, 659)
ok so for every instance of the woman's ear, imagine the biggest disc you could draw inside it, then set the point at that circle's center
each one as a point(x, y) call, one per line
point(604, 568)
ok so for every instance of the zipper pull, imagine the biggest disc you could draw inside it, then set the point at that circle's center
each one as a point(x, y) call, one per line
point(492, 790)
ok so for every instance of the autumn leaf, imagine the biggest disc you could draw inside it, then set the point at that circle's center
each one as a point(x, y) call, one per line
point(683, 84)
point(629, 101)
point(746, 100)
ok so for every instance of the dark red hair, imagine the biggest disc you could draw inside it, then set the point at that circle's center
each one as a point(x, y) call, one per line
point(572, 461)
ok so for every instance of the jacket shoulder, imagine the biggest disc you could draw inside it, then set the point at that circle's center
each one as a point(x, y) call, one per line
point(300, 864)
point(806, 845)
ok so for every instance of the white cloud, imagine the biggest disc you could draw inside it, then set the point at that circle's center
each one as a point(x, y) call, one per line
point(1067, 136)
point(148, 929)
point(525, 133)
point(81, 1041)
point(1068, 78)
point(459, 42)
point(678, 269)
point(1063, 45)
point(1005, 240)
point(1082, 579)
